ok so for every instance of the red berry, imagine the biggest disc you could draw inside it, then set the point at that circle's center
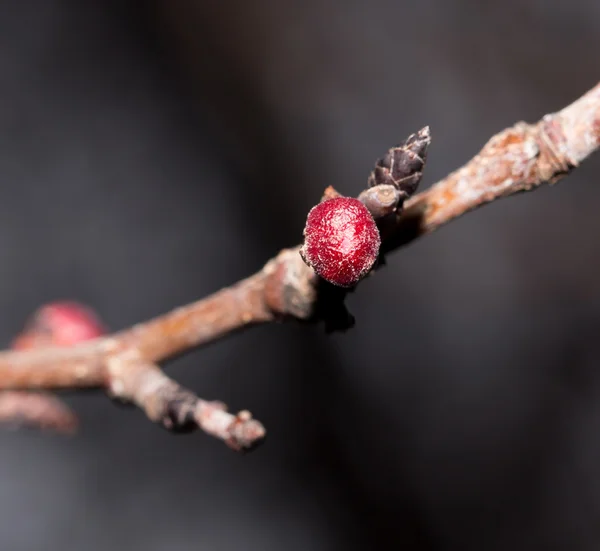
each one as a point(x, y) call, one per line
point(341, 241)
point(59, 324)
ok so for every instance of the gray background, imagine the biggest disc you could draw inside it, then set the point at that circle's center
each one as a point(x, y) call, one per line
point(153, 152)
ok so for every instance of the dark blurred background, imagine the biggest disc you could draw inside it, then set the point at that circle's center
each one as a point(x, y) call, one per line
point(153, 152)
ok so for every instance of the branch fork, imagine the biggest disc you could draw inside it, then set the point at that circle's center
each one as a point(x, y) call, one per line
point(177, 409)
point(126, 364)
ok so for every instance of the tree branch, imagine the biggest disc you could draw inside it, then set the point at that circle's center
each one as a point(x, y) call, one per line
point(177, 409)
point(520, 158)
point(36, 410)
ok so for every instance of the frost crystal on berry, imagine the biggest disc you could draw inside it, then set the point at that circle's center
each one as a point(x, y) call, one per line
point(341, 241)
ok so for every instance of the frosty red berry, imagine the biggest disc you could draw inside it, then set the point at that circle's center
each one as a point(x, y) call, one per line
point(60, 324)
point(341, 241)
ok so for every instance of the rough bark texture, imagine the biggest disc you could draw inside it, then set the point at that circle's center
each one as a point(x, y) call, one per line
point(520, 158)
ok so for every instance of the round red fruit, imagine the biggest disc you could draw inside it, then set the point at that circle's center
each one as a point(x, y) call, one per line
point(341, 241)
point(64, 323)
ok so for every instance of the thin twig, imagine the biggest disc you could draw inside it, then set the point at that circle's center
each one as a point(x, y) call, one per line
point(520, 158)
point(36, 410)
point(177, 409)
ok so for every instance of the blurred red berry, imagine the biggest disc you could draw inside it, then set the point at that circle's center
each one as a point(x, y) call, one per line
point(59, 324)
point(341, 241)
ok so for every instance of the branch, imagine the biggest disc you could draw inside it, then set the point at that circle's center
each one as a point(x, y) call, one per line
point(517, 159)
point(56, 323)
point(36, 410)
point(520, 158)
point(176, 408)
